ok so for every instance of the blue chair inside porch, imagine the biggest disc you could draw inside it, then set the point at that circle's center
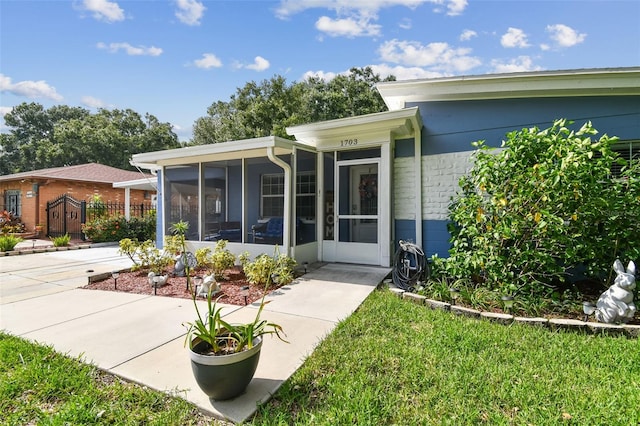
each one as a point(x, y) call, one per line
point(270, 231)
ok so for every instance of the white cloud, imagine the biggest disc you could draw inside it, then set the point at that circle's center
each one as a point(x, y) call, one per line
point(322, 75)
point(130, 50)
point(355, 18)
point(519, 64)
point(404, 73)
point(468, 35)
point(104, 10)
point(5, 110)
point(259, 64)
point(190, 12)
point(91, 102)
point(347, 27)
point(514, 37)
point(438, 56)
point(29, 89)
point(565, 36)
point(289, 8)
point(456, 7)
point(406, 24)
point(209, 60)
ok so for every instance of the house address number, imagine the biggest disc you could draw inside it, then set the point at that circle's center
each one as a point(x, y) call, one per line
point(348, 142)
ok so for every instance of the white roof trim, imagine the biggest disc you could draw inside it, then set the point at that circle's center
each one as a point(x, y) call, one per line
point(591, 82)
point(401, 123)
point(247, 148)
point(142, 184)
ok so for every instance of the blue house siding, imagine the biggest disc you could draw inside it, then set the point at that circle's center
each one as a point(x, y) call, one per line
point(435, 237)
point(451, 126)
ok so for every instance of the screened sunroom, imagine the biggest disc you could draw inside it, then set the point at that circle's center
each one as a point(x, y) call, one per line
point(252, 193)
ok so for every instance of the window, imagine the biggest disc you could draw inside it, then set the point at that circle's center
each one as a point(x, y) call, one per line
point(12, 202)
point(273, 195)
point(629, 150)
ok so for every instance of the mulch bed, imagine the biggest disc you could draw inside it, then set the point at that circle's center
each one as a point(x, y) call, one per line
point(231, 287)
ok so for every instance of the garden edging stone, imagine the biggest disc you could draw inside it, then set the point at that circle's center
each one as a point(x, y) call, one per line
point(630, 330)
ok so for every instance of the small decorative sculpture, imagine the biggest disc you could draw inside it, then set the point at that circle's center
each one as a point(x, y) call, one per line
point(182, 259)
point(157, 280)
point(616, 304)
point(208, 282)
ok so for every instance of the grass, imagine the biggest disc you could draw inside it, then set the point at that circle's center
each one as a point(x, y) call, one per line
point(40, 386)
point(394, 362)
point(391, 362)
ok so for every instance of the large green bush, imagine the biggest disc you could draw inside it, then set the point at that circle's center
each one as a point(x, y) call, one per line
point(542, 208)
point(115, 228)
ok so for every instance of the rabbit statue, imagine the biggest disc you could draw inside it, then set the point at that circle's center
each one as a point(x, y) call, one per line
point(616, 304)
point(208, 284)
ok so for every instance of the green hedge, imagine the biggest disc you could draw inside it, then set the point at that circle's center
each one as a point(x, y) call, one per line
point(116, 228)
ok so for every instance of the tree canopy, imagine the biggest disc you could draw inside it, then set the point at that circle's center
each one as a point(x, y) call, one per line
point(62, 135)
point(266, 109)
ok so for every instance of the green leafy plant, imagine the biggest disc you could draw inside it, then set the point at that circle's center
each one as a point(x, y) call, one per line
point(61, 241)
point(222, 337)
point(265, 268)
point(145, 255)
point(9, 242)
point(217, 262)
point(116, 228)
point(10, 223)
point(541, 207)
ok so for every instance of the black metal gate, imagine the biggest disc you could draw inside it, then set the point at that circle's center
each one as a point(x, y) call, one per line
point(65, 215)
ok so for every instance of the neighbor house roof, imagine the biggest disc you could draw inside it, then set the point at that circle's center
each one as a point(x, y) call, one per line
point(91, 172)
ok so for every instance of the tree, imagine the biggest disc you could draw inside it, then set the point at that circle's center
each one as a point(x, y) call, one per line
point(63, 135)
point(31, 126)
point(543, 207)
point(268, 108)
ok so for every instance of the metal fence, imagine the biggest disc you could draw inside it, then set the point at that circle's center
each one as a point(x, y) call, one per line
point(113, 208)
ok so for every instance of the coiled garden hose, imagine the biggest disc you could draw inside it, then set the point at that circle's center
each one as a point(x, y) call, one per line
point(409, 267)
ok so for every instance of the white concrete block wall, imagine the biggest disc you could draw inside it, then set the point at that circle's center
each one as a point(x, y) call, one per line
point(440, 176)
point(404, 200)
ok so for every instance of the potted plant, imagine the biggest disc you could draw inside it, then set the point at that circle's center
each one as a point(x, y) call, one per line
point(224, 356)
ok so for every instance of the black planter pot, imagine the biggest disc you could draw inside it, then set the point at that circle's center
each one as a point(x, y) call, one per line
point(225, 376)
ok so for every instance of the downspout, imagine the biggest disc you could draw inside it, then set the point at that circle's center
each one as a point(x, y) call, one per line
point(418, 183)
point(286, 231)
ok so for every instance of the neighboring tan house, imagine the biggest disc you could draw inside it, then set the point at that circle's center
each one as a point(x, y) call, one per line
point(26, 194)
point(348, 190)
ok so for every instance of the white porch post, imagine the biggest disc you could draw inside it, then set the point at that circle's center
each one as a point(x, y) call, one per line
point(127, 203)
point(286, 225)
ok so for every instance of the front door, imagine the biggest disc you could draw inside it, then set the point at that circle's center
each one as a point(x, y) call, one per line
point(358, 206)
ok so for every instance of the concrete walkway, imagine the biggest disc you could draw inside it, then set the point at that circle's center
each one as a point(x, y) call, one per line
point(141, 338)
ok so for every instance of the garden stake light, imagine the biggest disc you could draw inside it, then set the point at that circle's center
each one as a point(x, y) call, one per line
point(245, 293)
point(508, 303)
point(454, 293)
point(115, 275)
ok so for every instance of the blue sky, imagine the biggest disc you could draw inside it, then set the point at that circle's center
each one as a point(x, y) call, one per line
point(174, 58)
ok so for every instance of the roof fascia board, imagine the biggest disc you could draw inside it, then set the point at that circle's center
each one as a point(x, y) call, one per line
point(248, 148)
point(600, 82)
point(370, 127)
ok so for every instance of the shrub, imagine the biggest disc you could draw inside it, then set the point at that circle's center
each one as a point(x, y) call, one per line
point(9, 242)
point(217, 262)
point(145, 255)
point(10, 223)
point(277, 268)
point(542, 207)
point(115, 228)
point(61, 241)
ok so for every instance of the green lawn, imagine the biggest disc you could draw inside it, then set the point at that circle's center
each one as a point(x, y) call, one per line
point(392, 362)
